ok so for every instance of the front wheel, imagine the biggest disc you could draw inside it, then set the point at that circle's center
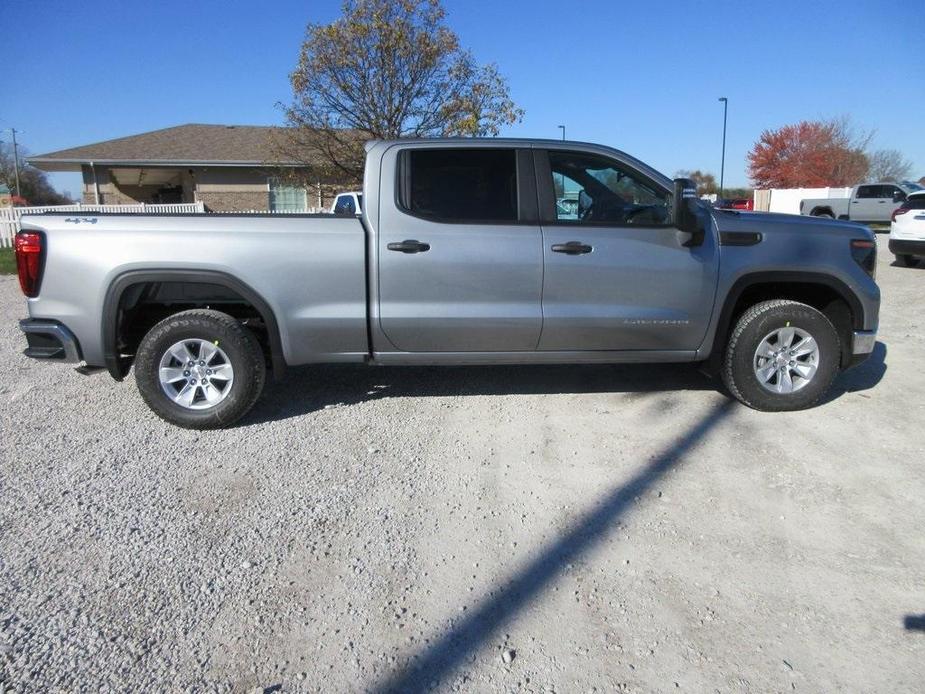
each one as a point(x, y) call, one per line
point(781, 356)
point(200, 369)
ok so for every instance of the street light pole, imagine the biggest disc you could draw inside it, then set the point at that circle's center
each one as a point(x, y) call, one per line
point(722, 165)
point(562, 128)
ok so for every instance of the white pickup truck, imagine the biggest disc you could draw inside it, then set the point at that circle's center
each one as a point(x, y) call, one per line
point(870, 203)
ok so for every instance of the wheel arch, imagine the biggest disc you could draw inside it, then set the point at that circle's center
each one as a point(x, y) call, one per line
point(121, 285)
point(826, 293)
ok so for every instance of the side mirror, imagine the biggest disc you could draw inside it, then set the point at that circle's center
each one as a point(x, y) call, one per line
point(584, 204)
point(685, 211)
point(899, 196)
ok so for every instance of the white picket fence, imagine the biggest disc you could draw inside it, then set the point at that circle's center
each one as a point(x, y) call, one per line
point(10, 216)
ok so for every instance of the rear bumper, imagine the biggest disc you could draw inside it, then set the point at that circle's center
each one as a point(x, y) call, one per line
point(48, 339)
point(900, 247)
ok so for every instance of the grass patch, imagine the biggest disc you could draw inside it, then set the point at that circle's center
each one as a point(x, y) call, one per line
point(7, 262)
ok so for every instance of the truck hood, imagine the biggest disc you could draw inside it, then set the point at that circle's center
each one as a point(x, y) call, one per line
point(772, 222)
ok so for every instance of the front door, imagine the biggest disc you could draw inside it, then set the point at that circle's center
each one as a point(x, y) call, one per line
point(460, 270)
point(617, 275)
point(870, 204)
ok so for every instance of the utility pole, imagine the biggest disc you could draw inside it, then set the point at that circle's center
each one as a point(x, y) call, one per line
point(722, 165)
point(15, 161)
point(562, 127)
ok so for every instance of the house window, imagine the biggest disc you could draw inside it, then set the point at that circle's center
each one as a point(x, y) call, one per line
point(286, 198)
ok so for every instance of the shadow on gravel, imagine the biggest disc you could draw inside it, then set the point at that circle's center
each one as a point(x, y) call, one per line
point(914, 622)
point(447, 652)
point(862, 377)
point(308, 389)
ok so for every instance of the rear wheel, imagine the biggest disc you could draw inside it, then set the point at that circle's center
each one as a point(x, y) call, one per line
point(200, 369)
point(782, 355)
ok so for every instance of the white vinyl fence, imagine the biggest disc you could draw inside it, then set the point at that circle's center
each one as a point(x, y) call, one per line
point(306, 210)
point(787, 200)
point(10, 216)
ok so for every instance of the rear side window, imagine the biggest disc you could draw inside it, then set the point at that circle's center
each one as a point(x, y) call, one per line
point(868, 191)
point(916, 202)
point(459, 185)
point(345, 205)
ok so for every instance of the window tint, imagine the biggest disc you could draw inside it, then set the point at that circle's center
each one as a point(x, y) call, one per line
point(345, 205)
point(868, 191)
point(916, 202)
point(461, 184)
point(594, 190)
point(360, 200)
point(286, 198)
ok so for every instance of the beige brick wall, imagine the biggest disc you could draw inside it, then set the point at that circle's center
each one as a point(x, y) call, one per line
point(231, 200)
point(219, 188)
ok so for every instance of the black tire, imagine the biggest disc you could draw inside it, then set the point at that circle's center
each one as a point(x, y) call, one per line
point(757, 323)
point(236, 342)
point(906, 260)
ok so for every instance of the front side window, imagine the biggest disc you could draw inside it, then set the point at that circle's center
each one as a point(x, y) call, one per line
point(286, 198)
point(345, 205)
point(459, 185)
point(590, 189)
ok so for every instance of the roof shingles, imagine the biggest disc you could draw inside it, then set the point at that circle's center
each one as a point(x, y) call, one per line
point(181, 144)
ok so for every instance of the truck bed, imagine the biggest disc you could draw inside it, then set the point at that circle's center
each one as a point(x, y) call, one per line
point(310, 269)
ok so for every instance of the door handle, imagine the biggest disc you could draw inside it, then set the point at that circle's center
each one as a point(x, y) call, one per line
point(409, 246)
point(572, 248)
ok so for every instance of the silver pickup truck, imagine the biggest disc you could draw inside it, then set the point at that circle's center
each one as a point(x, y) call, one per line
point(461, 256)
point(871, 203)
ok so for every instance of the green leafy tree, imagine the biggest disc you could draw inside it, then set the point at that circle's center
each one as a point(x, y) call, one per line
point(706, 182)
point(387, 69)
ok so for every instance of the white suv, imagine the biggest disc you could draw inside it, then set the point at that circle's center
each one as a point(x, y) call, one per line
point(907, 230)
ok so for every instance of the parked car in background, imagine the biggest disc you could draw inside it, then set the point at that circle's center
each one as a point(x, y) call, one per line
point(744, 204)
point(868, 203)
point(463, 256)
point(907, 230)
point(348, 204)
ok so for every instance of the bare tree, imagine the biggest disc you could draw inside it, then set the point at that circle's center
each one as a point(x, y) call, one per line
point(33, 184)
point(386, 69)
point(888, 165)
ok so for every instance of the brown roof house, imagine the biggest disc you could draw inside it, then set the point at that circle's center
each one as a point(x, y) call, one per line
point(227, 167)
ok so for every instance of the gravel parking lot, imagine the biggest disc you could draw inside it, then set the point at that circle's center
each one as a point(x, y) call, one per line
point(484, 529)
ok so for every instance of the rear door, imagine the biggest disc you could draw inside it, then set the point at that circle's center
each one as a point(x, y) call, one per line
point(460, 256)
point(617, 276)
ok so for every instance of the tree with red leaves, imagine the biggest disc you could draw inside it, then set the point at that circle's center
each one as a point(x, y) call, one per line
point(810, 154)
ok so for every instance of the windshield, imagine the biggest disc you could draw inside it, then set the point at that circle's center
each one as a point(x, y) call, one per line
point(910, 186)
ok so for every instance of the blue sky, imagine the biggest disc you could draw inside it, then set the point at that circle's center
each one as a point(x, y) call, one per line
point(643, 77)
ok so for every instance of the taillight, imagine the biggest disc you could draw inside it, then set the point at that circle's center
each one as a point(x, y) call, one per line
point(864, 252)
point(29, 261)
point(898, 211)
